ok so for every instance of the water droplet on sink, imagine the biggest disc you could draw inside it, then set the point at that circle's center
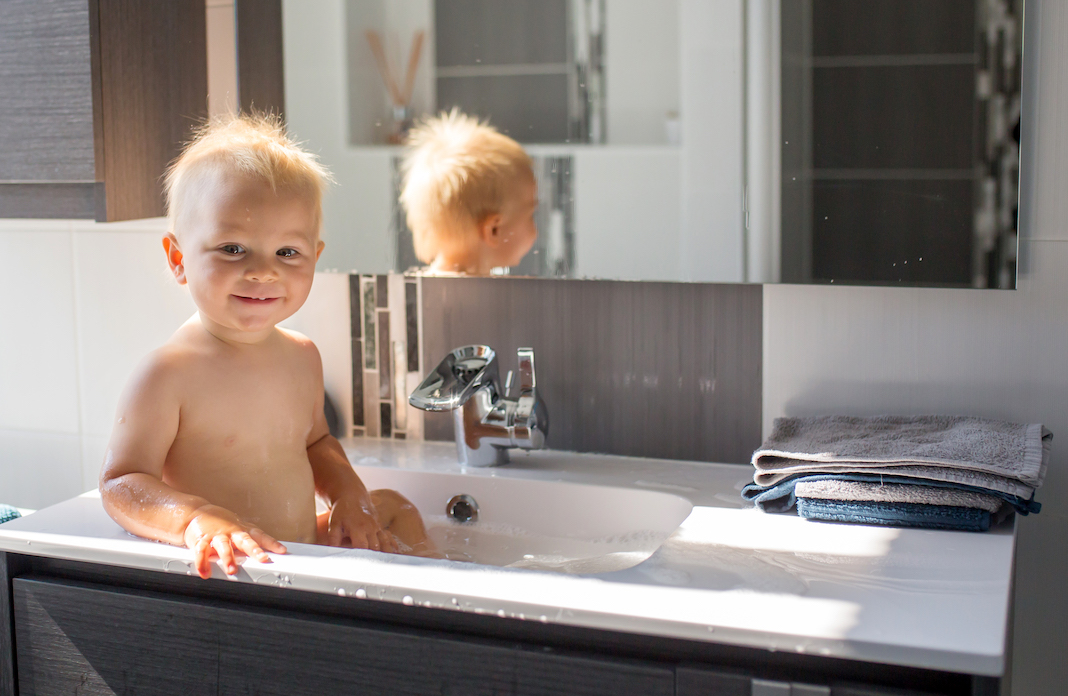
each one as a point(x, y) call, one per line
point(407, 601)
point(361, 593)
point(455, 602)
point(341, 592)
point(501, 613)
point(543, 618)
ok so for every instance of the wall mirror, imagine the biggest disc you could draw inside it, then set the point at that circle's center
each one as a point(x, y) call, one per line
point(800, 141)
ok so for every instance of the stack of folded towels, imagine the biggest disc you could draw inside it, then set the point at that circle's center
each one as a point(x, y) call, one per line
point(940, 472)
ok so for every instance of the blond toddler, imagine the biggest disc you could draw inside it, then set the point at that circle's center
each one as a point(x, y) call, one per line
point(470, 196)
point(220, 443)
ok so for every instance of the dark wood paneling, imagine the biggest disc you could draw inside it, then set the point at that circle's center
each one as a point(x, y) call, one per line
point(666, 370)
point(73, 640)
point(46, 110)
point(260, 75)
point(701, 681)
point(44, 200)
point(894, 116)
point(499, 32)
point(153, 61)
point(892, 27)
point(10, 566)
point(84, 639)
point(910, 232)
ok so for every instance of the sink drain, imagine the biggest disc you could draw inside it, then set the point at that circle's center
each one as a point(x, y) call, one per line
point(462, 508)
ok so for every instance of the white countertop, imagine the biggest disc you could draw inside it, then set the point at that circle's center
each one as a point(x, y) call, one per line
point(730, 574)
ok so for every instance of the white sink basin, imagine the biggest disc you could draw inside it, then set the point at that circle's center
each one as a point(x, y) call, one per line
point(547, 525)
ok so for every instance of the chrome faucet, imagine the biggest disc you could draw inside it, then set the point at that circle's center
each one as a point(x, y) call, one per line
point(468, 383)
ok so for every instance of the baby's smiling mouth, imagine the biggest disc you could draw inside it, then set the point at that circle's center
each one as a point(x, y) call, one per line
point(257, 300)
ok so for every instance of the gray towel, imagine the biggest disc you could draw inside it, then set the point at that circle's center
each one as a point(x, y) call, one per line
point(870, 492)
point(996, 455)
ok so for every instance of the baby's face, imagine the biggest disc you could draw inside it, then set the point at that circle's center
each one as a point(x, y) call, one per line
point(248, 254)
point(518, 231)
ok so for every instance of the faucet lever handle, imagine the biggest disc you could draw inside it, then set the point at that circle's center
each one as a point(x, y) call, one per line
point(527, 379)
point(508, 383)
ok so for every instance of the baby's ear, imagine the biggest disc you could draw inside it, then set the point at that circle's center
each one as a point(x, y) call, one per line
point(174, 257)
point(319, 249)
point(490, 229)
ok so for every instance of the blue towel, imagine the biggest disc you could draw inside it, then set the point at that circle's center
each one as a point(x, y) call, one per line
point(8, 513)
point(780, 497)
point(896, 514)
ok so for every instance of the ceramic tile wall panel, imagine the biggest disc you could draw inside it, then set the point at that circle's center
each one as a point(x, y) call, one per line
point(384, 362)
point(128, 304)
point(650, 369)
point(324, 319)
point(38, 348)
point(39, 469)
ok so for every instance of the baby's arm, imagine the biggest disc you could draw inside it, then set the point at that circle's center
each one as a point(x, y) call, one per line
point(131, 481)
point(352, 514)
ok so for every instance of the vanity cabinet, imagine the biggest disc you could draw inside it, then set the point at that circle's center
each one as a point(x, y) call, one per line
point(96, 98)
point(73, 627)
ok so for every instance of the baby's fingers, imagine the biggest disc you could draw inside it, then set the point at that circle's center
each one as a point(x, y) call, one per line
point(221, 544)
point(266, 541)
point(388, 543)
point(245, 542)
point(202, 558)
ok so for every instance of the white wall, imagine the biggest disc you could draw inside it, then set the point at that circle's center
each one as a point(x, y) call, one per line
point(356, 212)
point(627, 213)
point(88, 301)
point(999, 354)
point(711, 37)
point(642, 59)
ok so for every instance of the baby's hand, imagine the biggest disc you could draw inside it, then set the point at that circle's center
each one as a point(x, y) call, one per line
point(356, 521)
point(217, 532)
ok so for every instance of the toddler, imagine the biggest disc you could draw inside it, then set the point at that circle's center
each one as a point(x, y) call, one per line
point(220, 441)
point(470, 196)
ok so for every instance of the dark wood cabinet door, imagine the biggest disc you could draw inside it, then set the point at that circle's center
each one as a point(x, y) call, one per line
point(72, 639)
point(85, 639)
point(96, 98)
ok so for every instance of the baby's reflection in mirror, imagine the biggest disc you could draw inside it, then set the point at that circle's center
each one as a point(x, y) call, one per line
point(470, 196)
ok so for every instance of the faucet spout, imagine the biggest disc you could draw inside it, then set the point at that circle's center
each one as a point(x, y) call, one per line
point(487, 423)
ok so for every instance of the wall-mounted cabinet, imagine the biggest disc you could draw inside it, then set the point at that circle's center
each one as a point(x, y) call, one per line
point(96, 98)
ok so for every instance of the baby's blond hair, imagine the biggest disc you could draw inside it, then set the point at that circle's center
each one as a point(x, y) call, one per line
point(457, 170)
point(254, 145)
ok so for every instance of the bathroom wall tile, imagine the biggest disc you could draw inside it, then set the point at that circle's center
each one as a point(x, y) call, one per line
point(38, 348)
point(325, 319)
point(127, 304)
point(385, 383)
point(93, 449)
point(666, 370)
point(38, 469)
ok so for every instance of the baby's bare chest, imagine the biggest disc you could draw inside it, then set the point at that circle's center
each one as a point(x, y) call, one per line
point(234, 409)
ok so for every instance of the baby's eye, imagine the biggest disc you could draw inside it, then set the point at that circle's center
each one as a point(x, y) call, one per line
point(232, 249)
point(287, 253)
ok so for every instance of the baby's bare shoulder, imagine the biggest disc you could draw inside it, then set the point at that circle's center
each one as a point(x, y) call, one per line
point(301, 348)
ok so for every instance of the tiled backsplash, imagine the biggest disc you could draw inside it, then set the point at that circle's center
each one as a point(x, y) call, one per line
point(385, 355)
point(651, 369)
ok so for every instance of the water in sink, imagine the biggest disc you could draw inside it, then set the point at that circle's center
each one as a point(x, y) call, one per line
point(545, 525)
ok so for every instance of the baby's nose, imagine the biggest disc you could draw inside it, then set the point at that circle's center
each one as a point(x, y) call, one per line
point(260, 271)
